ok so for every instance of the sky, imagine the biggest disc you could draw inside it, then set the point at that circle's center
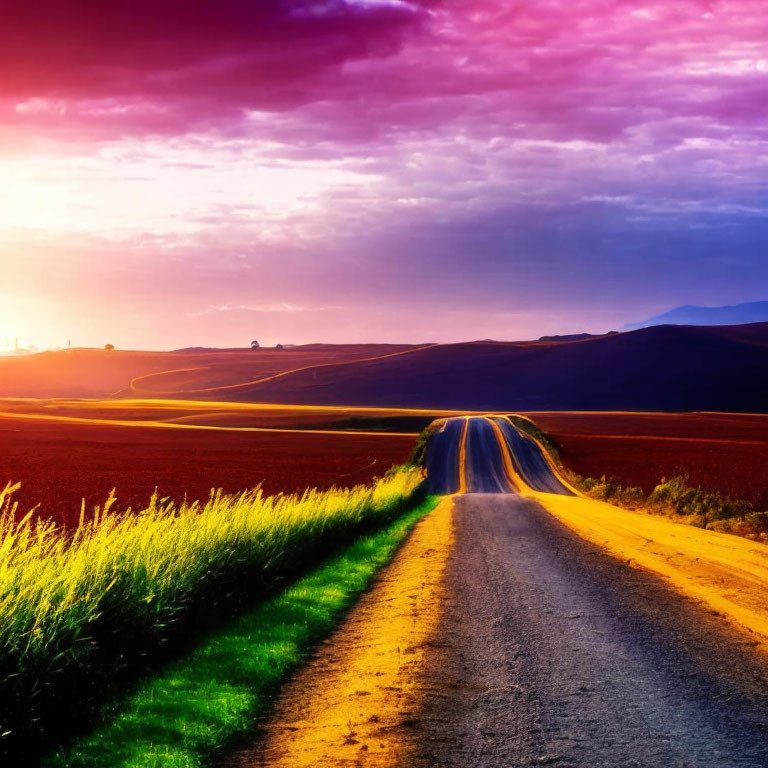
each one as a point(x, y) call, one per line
point(180, 174)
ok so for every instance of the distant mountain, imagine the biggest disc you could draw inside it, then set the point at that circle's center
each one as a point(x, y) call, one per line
point(738, 314)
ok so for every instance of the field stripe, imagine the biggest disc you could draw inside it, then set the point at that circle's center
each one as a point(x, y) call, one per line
point(282, 374)
point(204, 427)
point(664, 438)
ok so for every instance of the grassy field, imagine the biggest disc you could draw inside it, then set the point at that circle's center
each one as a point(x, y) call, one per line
point(65, 451)
point(82, 615)
point(194, 707)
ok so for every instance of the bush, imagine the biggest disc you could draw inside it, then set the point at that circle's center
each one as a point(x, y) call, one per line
point(699, 507)
point(677, 496)
point(673, 496)
point(609, 489)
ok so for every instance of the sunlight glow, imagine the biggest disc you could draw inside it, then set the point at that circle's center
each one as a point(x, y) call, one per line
point(164, 187)
point(25, 324)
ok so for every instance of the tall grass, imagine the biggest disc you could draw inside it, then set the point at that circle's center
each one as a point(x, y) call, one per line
point(79, 613)
point(418, 457)
point(212, 697)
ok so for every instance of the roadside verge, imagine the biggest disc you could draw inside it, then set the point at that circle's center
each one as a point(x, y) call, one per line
point(728, 573)
point(356, 703)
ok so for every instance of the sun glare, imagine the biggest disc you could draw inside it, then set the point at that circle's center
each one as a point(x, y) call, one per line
point(24, 325)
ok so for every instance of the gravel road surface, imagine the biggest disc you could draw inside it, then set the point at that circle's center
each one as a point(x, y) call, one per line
point(553, 653)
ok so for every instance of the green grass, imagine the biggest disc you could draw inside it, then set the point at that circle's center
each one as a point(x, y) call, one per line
point(200, 704)
point(418, 457)
point(83, 616)
point(375, 424)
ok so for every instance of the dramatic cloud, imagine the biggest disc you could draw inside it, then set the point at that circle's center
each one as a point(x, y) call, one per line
point(467, 168)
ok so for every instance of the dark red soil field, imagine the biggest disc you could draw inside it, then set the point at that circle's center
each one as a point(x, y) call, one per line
point(58, 463)
point(719, 452)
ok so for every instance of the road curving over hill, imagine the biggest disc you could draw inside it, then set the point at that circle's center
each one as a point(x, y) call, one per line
point(488, 454)
point(545, 646)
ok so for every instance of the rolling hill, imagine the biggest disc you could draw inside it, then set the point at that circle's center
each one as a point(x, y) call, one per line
point(675, 368)
point(135, 373)
point(661, 368)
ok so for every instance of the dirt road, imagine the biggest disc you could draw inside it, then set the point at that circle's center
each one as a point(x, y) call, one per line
point(479, 454)
point(553, 653)
point(501, 638)
point(355, 703)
